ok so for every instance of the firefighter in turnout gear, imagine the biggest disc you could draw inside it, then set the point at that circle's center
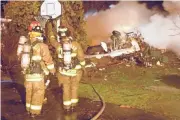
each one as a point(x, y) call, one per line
point(36, 62)
point(71, 62)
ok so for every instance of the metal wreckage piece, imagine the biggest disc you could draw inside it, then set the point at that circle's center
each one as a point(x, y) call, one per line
point(135, 47)
point(138, 50)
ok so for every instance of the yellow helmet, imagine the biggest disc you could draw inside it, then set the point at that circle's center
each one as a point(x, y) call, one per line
point(63, 31)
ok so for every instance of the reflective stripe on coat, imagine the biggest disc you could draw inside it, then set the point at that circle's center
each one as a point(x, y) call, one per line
point(34, 77)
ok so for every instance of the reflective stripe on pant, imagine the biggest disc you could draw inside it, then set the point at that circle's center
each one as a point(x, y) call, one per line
point(70, 86)
point(74, 101)
point(28, 106)
point(34, 96)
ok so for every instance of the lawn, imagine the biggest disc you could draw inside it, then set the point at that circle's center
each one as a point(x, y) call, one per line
point(155, 89)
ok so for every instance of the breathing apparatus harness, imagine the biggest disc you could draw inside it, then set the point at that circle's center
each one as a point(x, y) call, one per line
point(29, 63)
point(66, 50)
point(25, 58)
point(35, 66)
point(69, 62)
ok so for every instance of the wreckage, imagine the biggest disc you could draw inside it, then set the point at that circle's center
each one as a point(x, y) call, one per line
point(105, 50)
point(132, 48)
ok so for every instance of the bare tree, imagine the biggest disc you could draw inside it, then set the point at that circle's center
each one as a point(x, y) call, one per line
point(177, 27)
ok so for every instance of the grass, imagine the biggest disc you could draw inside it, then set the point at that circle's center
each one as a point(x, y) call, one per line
point(130, 86)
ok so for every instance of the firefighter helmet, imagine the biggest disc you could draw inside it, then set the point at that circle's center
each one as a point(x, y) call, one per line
point(63, 31)
point(33, 24)
point(37, 29)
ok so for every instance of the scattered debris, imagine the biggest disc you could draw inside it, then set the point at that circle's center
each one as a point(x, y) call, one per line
point(105, 77)
point(133, 51)
point(128, 65)
point(125, 106)
point(101, 69)
point(159, 64)
point(157, 80)
point(90, 65)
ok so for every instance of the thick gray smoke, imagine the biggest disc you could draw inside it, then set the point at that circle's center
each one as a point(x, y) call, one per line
point(158, 30)
point(123, 17)
point(173, 7)
point(164, 32)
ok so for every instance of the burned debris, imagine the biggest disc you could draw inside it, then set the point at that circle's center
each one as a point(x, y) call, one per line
point(130, 47)
point(97, 49)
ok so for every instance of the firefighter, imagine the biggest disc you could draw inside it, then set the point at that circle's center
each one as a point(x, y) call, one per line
point(36, 62)
point(71, 63)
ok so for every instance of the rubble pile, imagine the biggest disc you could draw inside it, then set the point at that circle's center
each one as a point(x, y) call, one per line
point(146, 55)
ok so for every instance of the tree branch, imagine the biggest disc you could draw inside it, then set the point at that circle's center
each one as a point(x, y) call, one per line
point(175, 34)
point(176, 24)
point(177, 27)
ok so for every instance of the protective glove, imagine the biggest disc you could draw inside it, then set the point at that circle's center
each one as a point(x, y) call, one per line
point(47, 82)
point(53, 71)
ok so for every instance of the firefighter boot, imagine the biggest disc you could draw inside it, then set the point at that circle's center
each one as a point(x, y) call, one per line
point(67, 116)
point(67, 108)
point(33, 115)
point(73, 107)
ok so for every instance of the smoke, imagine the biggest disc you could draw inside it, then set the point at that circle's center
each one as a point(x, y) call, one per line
point(90, 13)
point(173, 7)
point(158, 30)
point(164, 31)
point(123, 17)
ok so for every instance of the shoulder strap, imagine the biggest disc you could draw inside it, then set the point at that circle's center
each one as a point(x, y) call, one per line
point(32, 45)
point(35, 43)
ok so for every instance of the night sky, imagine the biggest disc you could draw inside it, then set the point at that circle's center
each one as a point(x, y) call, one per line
point(102, 5)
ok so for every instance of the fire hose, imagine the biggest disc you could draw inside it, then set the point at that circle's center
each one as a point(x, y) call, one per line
point(101, 99)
